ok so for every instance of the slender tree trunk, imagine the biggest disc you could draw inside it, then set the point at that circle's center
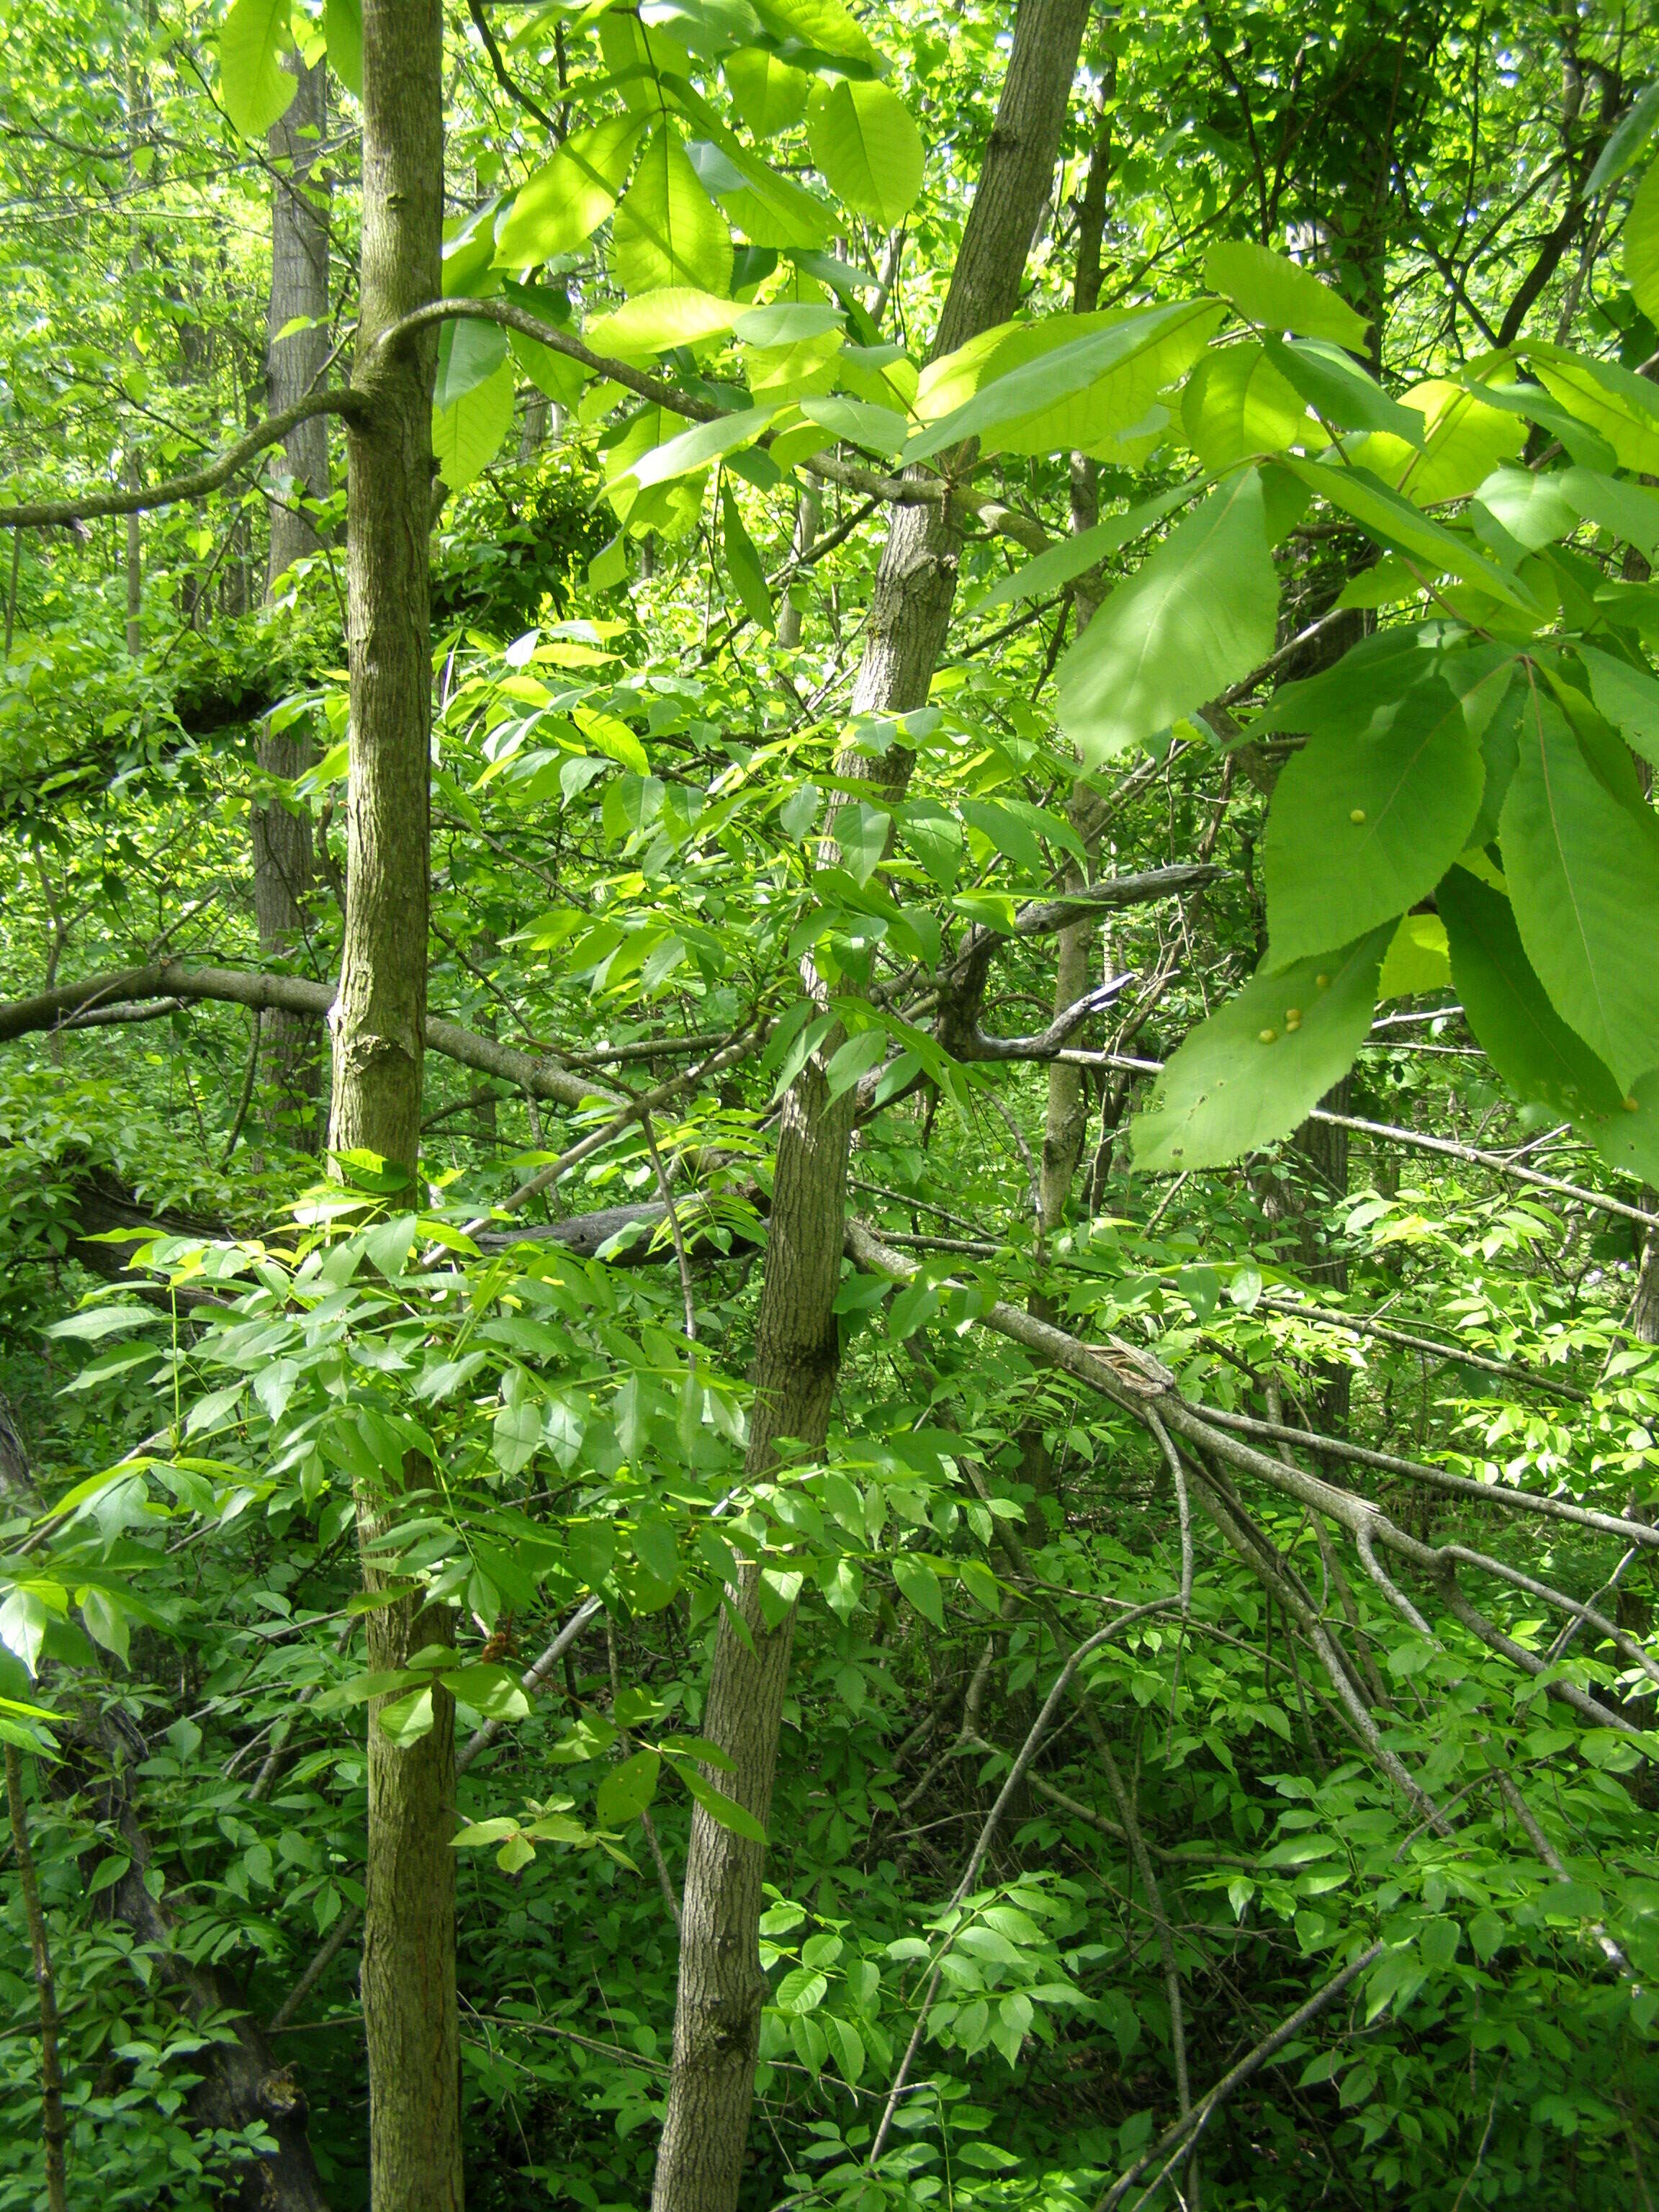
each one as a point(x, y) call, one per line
point(408, 1946)
point(294, 365)
point(806, 529)
point(284, 862)
point(721, 1991)
point(53, 2130)
point(134, 563)
point(1065, 1118)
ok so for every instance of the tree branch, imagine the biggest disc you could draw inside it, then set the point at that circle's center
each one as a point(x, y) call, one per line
point(37, 514)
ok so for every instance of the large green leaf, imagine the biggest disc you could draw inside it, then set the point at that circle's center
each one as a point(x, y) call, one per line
point(1394, 520)
point(666, 230)
point(639, 56)
point(657, 322)
point(768, 95)
point(1616, 404)
point(1037, 374)
point(1628, 696)
point(1626, 509)
point(1081, 551)
point(566, 201)
point(467, 436)
point(1628, 1137)
point(257, 90)
point(1642, 245)
point(866, 143)
point(1121, 404)
point(696, 447)
point(824, 26)
point(1340, 391)
point(343, 31)
point(469, 354)
point(1583, 866)
point(1463, 441)
point(1198, 617)
point(1236, 404)
point(628, 1790)
point(1362, 827)
point(1250, 1074)
point(1533, 509)
point(742, 564)
point(1523, 1037)
point(1274, 293)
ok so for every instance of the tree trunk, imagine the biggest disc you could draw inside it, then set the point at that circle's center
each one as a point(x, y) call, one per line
point(134, 563)
point(1065, 1121)
point(53, 2130)
point(721, 1991)
point(408, 1946)
point(806, 529)
point(283, 864)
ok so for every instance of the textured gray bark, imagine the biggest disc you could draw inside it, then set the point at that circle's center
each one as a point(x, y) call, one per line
point(408, 1948)
point(721, 1991)
point(283, 863)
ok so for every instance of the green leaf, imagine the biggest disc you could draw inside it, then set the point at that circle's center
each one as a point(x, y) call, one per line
point(824, 26)
point(566, 201)
point(1362, 827)
point(493, 1690)
point(1267, 289)
point(656, 322)
point(1533, 509)
point(628, 1790)
point(608, 566)
point(742, 564)
point(1628, 696)
point(1416, 958)
point(1615, 403)
point(667, 231)
point(405, 1720)
point(470, 351)
point(919, 1584)
point(1642, 245)
point(852, 1060)
point(694, 448)
point(877, 430)
point(1198, 617)
point(801, 1991)
point(1047, 365)
point(866, 143)
point(343, 32)
point(256, 90)
point(1628, 510)
point(1627, 1138)
point(1624, 146)
point(1081, 551)
point(466, 437)
point(1463, 440)
point(106, 1622)
point(1396, 521)
point(1537, 1055)
point(1014, 838)
point(1250, 1074)
point(1583, 866)
point(848, 2044)
point(720, 1808)
point(768, 95)
point(1236, 404)
point(1341, 390)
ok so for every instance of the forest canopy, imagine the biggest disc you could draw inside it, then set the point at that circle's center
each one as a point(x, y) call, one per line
point(829, 1105)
